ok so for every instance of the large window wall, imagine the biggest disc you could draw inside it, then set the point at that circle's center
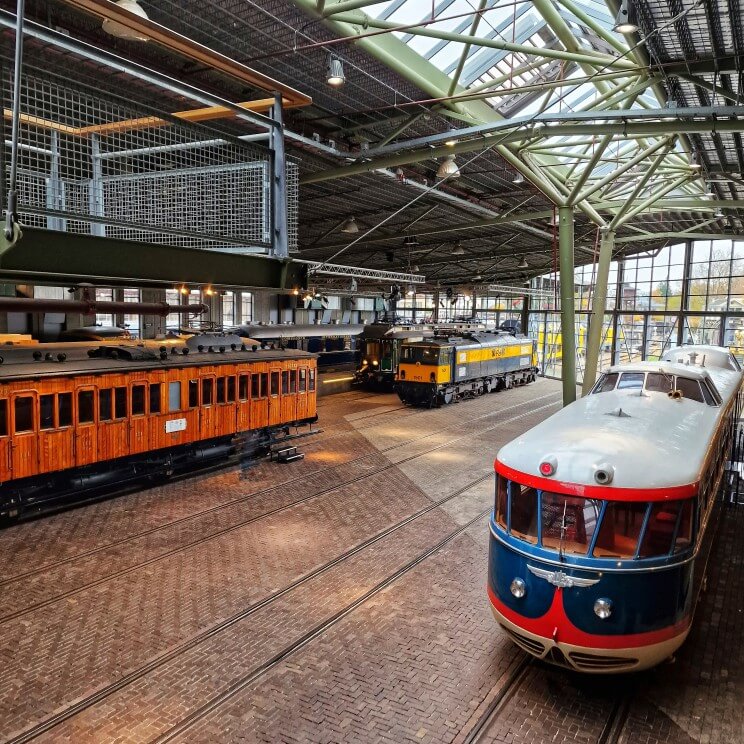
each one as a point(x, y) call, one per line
point(686, 293)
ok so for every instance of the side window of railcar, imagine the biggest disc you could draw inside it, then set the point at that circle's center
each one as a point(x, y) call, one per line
point(120, 402)
point(231, 389)
point(138, 400)
point(24, 414)
point(606, 383)
point(620, 529)
point(275, 383)
point(629, 380)
point(155, 406)
point(46, 412)
point(285, 382)
point(683, 536)
point(221, 389)
point(524, 512)
point(104, 404)
point(64, 409)
point(207, 391)
point(174, 396)
point(3, 418)
point(86, 407)
point(293, 380)
point(243, 387)
point(501, 501)
point(264, 385)
point(303, 380)
point(311, 383)
point(193, 393)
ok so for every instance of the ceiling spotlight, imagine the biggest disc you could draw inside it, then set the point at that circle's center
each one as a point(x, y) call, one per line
point(477, 278)
point(448, 168)
point(523, 263)
point(350, 226)
point(336, 77)
point(411, 290)
point(119, 30)
point(414, 268)
point(625, 22)
point(695, 163)
point(518, 179)
point(458, 250)
point(409, 241)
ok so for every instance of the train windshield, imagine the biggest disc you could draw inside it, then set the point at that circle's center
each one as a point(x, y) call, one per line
point(421, 354)
point(593, 527)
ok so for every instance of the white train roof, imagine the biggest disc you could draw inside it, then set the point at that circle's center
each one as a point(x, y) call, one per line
point(648, 439)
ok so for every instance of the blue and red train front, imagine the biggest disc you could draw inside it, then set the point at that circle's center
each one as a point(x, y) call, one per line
point(594, 578)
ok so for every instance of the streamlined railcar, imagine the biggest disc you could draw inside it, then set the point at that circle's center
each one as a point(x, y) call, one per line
point(78, 418)
point(605, 512)
point(441, 370)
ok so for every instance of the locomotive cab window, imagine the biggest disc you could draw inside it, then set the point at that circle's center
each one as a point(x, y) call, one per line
point(501, 501)
point(523, 523)
point(568, 522)
point(621, 526)
point(690, 389)
point(657, 382)
point(631, 380)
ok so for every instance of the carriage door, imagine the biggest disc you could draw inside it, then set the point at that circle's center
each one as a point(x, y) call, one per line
point(208, 410)
point(275, 401)
point(55, 432)
point(138, 423)
point(24, 450)
point(5, 474)
point(86, 433)
point(301, 392)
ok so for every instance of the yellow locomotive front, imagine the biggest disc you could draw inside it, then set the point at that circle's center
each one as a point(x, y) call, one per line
point(425, 366)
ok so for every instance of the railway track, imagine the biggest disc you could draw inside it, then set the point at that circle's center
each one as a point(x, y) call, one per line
point(101, 694)
point(232, 502)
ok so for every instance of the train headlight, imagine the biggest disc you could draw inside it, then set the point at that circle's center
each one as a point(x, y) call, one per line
point(603, 608)
point(518, 588)
point(375, 363)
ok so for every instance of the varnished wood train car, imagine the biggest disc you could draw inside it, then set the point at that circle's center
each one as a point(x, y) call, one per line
point(75, 419)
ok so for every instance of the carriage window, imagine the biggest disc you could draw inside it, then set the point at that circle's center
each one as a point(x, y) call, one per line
point(24, 414)
point(64, 409)
point(243, 387)
point(231, 390)
point(221, 390)
point(293, 381)
point(524, 512)
point(174, 396)
point(256, 386)
point(155, 398)
point(138, 400)
point(3, 418)
point(689, 389)
point(86, 407)
point(501, 499)
point(303, 380)
point(631, 380)
point(620, 528)
point(657, 539)
point(683, 538)
point(285, 382)
point(193, 393)
point(46, 412)
point(658, 383)
point(207, 397)
point(120, 402)
point(568, 522)
point(275, 383)
point(311, 383)
point(104, 405)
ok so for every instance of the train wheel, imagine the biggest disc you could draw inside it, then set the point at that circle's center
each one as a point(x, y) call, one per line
point(447, 397)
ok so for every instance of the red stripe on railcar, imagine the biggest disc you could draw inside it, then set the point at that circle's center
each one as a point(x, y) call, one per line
point(610, 493)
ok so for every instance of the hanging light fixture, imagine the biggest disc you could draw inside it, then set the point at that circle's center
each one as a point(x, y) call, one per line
point(411, 290)
point(336, 77)
point(523, 263)
point(350, 226)
point(518, 179)
point(119, 30)
point(625, 22)
point(458, 250)
point(695, 163)
point(414, 268)
point(448, 168)
point(409, 241)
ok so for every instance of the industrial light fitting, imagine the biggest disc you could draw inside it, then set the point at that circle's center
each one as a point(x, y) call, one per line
point(410, 241)
point(336, 77)
point(350, 226)
point(625, 22)
point(458, 250)
point(411, 290)
point(119, 30)
point(523, 263)
point(448, 168)
point(695, 163)
point(718, 212)
point(518, 179)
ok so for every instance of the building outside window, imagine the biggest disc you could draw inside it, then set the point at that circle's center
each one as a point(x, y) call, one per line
point(105, 294)
point(228, 309)
point(246, 307)
point(133, 323)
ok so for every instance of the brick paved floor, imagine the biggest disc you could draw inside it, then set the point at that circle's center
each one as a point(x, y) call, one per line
point(154, 592)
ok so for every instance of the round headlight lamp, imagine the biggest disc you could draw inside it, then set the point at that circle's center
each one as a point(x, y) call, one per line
point(518, 588)
point(603, 608)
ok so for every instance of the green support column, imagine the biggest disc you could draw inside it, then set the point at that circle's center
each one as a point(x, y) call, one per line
point(568, 314)
point(599, 303)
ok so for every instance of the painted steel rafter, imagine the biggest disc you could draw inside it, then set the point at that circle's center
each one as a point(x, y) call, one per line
point(357, 272)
